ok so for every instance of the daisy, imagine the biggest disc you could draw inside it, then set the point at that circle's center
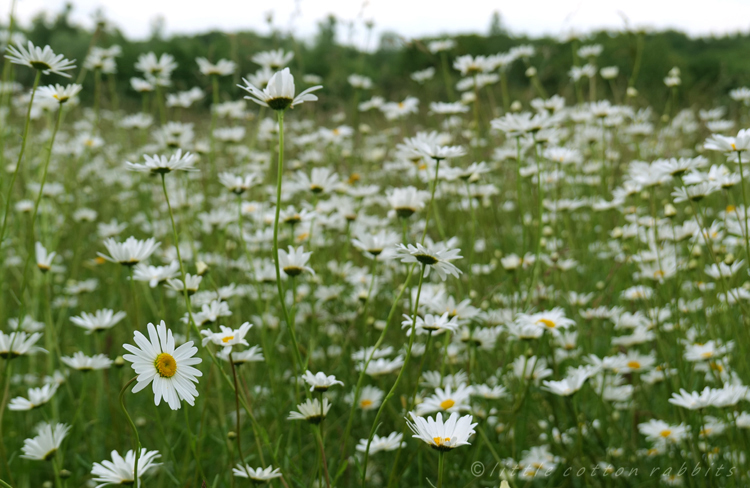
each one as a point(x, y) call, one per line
point(692, 400)
point(99, 320)
point(294, 261)
point(193, 283)
point(394, 441)
point(447, 399)
point(237, 184)
point(59, 93)
point(37, 398)
point(228, 337)
point(223, 67)
point(442, 436)
point(273, 60)
point(320, 381)
point(130, 252)
point(81, 362)
point(406, 201)
point(43, 258)
point(252, 355)
point(370, 398)
point(438, 258)
point(435, 324)
point(257, 475)
point(374, 244)
point(155, 274)
point(41, 59)
point(46, 443)
point(162, 164)
point(18, 344)
point(311, 410)
point(120, 471)
point(279, 94)
point(171, 370)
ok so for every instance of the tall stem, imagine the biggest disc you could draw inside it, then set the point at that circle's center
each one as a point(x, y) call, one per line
point(398, 378)
point(135, 431)
point(279, 286)
point(20, 157)
point(744, 225)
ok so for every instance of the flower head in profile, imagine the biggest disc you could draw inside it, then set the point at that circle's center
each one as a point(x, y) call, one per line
point(320, 381)
point(274, 59)
point(311, 410)
point(59, 93)
point(156, 360)
point(46, 443)
point(81, 362)
point(43, 59)
point(279, 94)
point(436, 258)
point(223, 67)
point(37, 398)
point(120, 471)
point(294, 262)
point(43, 258)
point(256, 475)
point(163, 164)
point(130, 252)
point(100, 320)
point(439, 435)
point(18, 344)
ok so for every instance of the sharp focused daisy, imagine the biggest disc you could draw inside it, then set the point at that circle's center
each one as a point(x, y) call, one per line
point(437, 258)
point(164, 164)
point(130, 252)
point(43, 59)
point(120, 471)
point(442, 436)
point(279, 94)
point(155, 359)
point(46, 443)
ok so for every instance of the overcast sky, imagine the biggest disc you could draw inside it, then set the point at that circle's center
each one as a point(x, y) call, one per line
point(410, 18)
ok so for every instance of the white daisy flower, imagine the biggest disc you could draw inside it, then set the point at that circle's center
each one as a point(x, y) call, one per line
point(81, 362)
point(99, 320)
point(311, 410)
point(170, 369)
point(163, 164)
point(228, 337)
point(42, 59)
point(120, 470)
point(279, 94)
point(440, 435)
point(257, 475)
point(130, 252)
point(294, 261)
point(46, 443)
point(432, 258)
point(320, 381)
point(37, 398)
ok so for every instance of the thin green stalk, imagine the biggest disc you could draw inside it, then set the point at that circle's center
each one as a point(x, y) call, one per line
point(20, 157)
point(744, 203)
point(135, 430)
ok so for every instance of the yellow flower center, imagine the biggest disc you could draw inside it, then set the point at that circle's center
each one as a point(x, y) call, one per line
point(441, 441)
point(227, 339)
point(716, 367)
point(401, 105)
point(707, 354)
point(547, 323)
point(365, 403)
point(165, 365)
point(734, 148)
point(665, 433)
point(446, 404)
point(634, 365)
point(730, 208)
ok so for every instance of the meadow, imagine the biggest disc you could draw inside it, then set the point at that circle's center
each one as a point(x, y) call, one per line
point(256, 279)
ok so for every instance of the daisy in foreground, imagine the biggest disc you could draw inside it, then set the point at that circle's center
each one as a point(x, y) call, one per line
point(119, 471)
point(279, 93)
point(171, 370)
point(442, 436)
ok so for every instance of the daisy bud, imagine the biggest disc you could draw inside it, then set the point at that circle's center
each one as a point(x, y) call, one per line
point(231, 435)
point(119, 362)
point(65, 474)
point(729, 259)
point(531, 72)
point(599, 285)
point(516, 106)
point(669, 210)
point(201, 267)
point(632, 92)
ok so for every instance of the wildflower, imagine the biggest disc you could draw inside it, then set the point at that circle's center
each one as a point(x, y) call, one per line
point(279, 94)
point(43, 258)
point(130, 252)
point(437, 258)
point(228, 337)
point(42, 59)
point(257, 475)
point(46, 443)
point(442, 436)
point(18, 344)
point(162, 164)
point(155, 359)
point(81, 362)
point(294, 261)
point(311, 410)
point(37, 398)
point(100, 320)
point(120, 470)
point(320, 381)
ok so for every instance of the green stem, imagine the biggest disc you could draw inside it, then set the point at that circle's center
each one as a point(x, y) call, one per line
point(135, 431)
point(20, 156)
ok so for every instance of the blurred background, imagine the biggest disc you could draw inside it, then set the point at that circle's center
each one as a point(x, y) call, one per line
point(386, 39)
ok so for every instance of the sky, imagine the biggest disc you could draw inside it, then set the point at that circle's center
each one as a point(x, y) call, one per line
point(409, 18)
